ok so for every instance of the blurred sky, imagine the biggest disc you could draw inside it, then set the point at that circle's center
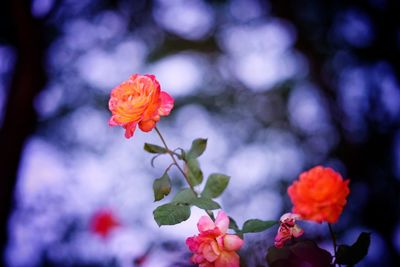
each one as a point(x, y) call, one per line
point(238, 79)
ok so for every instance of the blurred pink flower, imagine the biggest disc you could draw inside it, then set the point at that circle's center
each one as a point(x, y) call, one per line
point(287, 229)
point(138, 100)
point(213, 247)
point(103, 222)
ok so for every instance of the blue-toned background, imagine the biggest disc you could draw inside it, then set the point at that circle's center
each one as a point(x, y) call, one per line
point(276, 86)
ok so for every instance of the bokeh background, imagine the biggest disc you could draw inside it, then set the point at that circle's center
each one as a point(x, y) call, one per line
point(276, 86)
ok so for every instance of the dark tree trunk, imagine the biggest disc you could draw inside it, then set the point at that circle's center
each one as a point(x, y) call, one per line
point(28, 79)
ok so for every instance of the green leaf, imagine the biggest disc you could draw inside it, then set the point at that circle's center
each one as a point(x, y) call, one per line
point(350, 255)
point(256, 225)
point(161, 187)
point(206, 203)
point(194, 173)
point(198, 147)
point(154, 149)
point(233, 225)
point(185, 196)
point(170, 214)
point(216, 184)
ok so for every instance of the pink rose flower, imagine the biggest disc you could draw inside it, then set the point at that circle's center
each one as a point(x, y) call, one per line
point(213, 247)
point(138, 101)
point(287, 229)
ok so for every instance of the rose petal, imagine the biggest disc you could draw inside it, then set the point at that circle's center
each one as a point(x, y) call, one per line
point(232, 242)
point(133, 77)
point(112, 122)
point(211, 233)
point(290, 216)
point(283, 233)
point(205, 223)
point(297, 231)
point(197, 258)
point(192, 243)
point(222, 221)
point(281, 239)
point(215, 247)
point(147, 126)
point(167, 103)
point(228, 259)
point(220, 241)
point(130, 129)
point(209, 254)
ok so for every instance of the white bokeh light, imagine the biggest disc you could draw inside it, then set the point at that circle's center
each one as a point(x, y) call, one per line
point(105, 69)
point(307, 109)
point(179, 74)
point(190, 19)
point(262, 55)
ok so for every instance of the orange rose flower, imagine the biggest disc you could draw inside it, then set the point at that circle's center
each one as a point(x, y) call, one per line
point(319, 195)
point(139, 100)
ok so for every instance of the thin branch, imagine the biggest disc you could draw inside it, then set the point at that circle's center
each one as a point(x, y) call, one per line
point(174, 160)
point(333, 240)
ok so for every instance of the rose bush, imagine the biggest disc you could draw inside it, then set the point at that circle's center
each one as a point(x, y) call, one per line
point(319, 195)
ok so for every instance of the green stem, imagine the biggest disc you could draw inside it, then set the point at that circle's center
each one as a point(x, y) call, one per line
point(174, 160)
point(169, 167)
point(172, 155)
point(333, 240)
